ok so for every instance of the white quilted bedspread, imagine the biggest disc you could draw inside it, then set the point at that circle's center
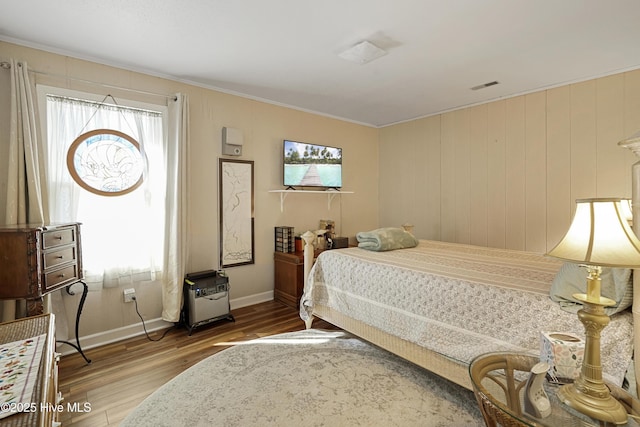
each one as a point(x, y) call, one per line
point(457, 300)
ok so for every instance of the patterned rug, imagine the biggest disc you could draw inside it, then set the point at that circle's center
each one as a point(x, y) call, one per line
point(307, 378)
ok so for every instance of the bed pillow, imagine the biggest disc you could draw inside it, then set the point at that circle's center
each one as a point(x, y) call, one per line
point(617, 284)
point(385, 239)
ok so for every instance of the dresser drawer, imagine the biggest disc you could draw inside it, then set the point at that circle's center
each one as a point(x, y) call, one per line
point(58, 237)
point(60, 256)
point(60, 276)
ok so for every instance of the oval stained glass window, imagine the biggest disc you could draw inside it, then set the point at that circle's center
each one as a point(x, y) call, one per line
point(106, 162)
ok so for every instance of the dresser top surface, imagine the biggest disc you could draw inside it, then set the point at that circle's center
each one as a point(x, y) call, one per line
point(25, 228)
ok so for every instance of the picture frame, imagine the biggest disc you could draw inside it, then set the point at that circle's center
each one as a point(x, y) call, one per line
point(236, 203)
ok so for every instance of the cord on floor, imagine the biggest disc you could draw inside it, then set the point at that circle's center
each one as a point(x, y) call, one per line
point(145, 327)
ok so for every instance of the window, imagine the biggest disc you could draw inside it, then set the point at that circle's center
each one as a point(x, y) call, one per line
point(105, 167)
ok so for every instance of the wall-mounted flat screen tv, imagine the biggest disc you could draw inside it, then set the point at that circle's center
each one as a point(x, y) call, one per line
point(312, 165)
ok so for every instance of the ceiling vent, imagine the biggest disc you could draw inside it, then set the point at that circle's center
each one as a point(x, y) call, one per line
point(362, 53)
point(482, 86)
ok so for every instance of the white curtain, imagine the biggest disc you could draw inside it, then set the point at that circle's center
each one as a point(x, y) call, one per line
point(177, 224)
point(24, 185)
point(24, 189)
point(139, 236)
point(122, 236)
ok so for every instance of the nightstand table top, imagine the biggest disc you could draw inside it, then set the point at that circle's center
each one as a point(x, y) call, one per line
point(502, 404)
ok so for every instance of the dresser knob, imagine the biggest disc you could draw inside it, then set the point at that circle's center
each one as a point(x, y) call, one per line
point(61, 275)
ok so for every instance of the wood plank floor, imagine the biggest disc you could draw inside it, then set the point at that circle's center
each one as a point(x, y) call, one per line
point(123, 374)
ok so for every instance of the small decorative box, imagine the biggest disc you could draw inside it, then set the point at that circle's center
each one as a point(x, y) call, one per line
point(563, 352)
point(284, 239)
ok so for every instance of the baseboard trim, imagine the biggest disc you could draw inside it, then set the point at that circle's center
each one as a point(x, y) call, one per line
point(114, 335)
point(136, 329)
point(251, 300)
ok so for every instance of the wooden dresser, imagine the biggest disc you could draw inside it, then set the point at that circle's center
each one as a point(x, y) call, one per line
point(44, 404)
point(38, 259)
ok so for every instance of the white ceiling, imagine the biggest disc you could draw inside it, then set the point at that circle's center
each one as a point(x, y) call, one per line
point(286, 51)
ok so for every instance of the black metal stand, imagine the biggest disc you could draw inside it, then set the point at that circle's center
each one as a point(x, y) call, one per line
point(85, 290)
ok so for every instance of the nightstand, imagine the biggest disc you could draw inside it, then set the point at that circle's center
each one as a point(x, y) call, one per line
point(498, 384)
point(289, 277)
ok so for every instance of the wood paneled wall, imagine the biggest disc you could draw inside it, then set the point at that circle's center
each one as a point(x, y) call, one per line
point(506, 174)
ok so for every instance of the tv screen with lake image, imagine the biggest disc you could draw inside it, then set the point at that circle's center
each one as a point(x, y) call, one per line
point(312, 165)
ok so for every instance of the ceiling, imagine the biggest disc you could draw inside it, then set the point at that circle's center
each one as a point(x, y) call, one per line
point(286, 51)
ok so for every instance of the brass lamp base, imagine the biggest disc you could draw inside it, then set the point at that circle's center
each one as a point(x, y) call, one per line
point(589, 394)
point(605, 408)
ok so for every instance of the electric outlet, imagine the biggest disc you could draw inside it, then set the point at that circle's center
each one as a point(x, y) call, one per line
point(129, 295)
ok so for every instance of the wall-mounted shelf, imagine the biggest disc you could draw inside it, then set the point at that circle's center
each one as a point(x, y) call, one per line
point(331, 194)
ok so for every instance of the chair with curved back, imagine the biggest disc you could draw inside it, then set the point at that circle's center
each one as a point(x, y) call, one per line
point(497, 378)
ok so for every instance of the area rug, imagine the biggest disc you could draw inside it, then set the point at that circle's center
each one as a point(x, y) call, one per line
point(307, 378)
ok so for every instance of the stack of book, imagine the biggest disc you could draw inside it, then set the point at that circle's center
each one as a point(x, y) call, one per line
point(285, 240)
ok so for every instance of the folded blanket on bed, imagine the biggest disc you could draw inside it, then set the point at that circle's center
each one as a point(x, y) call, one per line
point(385, 239)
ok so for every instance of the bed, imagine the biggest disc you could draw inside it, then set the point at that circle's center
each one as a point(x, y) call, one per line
point(441, 304)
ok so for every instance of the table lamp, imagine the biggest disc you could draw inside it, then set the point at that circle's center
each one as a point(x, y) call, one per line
point(599, 236)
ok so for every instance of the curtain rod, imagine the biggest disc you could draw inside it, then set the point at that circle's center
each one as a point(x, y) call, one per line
point(7, 65)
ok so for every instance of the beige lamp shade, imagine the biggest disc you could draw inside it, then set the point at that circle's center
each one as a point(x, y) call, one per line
point(600, 235)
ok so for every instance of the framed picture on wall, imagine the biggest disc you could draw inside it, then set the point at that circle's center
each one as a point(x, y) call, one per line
point(236, 212)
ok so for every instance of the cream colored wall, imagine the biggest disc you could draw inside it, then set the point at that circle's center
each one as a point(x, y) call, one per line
point(506, 174)
point(264, 127)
